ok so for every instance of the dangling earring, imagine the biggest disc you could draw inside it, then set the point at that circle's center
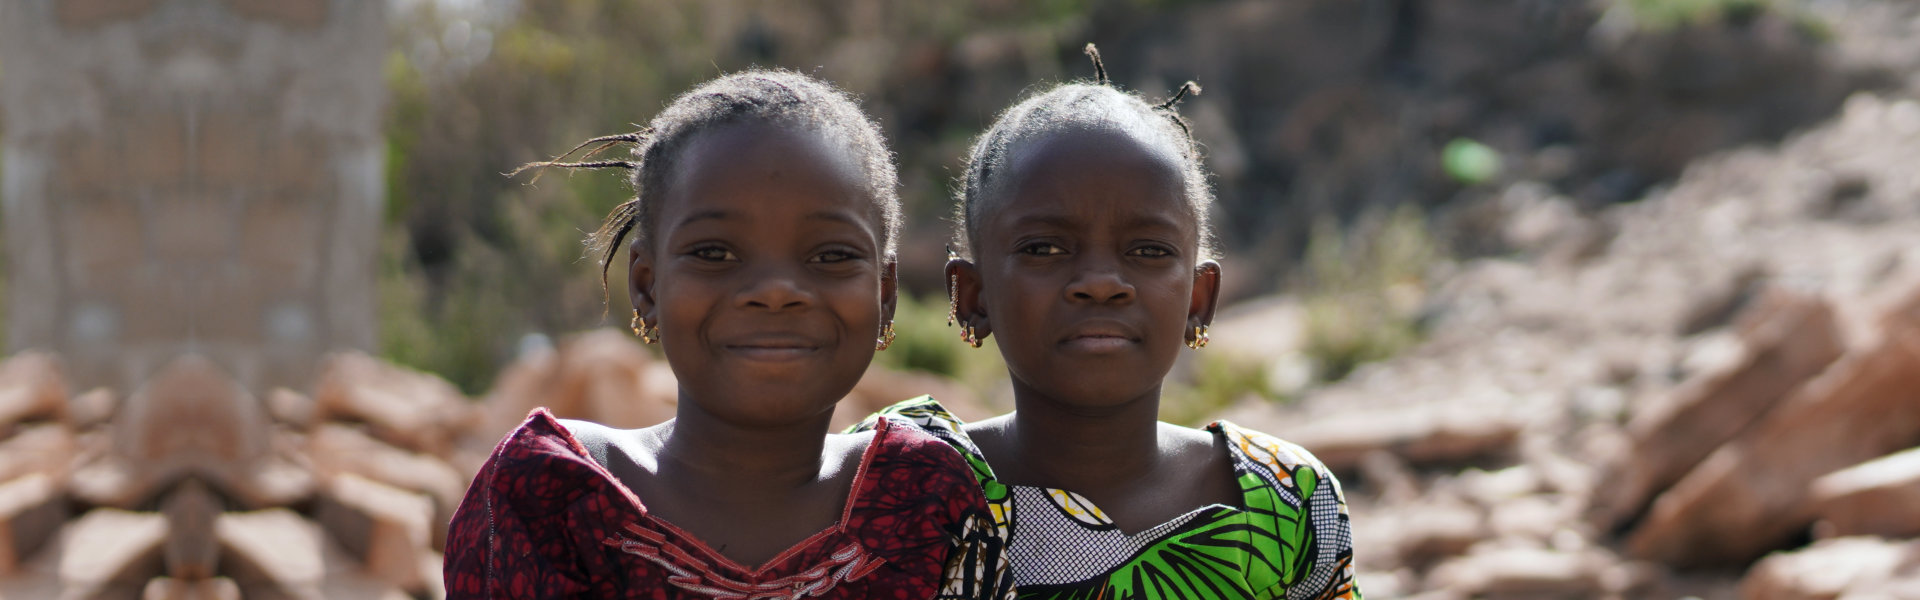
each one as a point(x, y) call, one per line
point(953, 300)
point(1199, 337)
point(953, 291)
point(648, 333)
point(886, 336)
point(968, 335)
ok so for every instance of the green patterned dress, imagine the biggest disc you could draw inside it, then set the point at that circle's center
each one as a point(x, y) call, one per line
point(1288, 539)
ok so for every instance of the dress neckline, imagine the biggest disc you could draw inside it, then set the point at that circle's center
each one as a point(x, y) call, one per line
point(699, 545)
point(1071, 502)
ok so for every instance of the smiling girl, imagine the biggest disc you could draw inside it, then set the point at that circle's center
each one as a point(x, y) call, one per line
point(762, 260)
point(1086, 251)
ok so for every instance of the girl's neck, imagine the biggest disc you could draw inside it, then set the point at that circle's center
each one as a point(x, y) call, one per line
point(1078, 448)
point(753, 458)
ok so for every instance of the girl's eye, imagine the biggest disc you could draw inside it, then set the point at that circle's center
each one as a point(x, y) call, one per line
point(712, 253)
point(1152, 252)
point(834, 256)
point(1042, 249)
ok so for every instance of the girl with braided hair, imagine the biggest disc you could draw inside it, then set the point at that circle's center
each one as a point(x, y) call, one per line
point(762, 261)
point(1084, 248)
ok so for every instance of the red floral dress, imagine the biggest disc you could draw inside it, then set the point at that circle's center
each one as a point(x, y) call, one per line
point(543, 520)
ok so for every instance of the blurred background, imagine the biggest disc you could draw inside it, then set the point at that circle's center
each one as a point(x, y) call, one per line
point(1580, 298)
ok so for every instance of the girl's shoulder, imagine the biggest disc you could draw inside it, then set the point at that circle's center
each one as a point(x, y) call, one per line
point(926, 416)
point(1279, 463)
point(541, 467)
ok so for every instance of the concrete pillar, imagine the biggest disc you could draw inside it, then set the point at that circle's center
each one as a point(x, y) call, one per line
point(191, 176)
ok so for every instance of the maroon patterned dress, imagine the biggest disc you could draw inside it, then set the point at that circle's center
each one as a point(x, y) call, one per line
point(543, 520)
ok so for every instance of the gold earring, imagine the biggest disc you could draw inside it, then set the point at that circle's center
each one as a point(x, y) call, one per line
point(953, 290)
point(1199, 337)
point(886, 336)
point(953, 299)
point(968, 335)
point(635, 325)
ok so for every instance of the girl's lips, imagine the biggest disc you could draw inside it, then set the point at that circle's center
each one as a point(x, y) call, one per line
point(771, 352)
point(1098, 343)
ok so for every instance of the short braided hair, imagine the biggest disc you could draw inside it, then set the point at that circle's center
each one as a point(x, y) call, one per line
point(1082, 105)
point(764, 95)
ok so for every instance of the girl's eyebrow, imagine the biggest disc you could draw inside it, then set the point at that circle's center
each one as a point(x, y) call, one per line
point(705, 215)
point(1054, 221)
point(834, 215)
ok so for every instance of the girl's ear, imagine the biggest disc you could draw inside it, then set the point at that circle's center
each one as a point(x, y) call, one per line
point(1206, 294)
point(640, 280)
point(889, 290)
point(963, 290)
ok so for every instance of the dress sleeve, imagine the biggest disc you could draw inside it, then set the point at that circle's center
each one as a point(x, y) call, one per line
point(495, 549)
point(977, 565)
point(1334, 528)
point(1298, 504)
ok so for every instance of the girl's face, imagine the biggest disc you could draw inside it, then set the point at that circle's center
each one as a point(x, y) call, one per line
point(765, 273)
point(1086, 272)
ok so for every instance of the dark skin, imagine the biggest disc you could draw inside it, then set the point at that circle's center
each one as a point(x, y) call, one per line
point(768, 282)
point(1087, 271)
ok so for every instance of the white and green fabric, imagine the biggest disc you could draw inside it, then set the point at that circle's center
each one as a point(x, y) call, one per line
point(1289, 538)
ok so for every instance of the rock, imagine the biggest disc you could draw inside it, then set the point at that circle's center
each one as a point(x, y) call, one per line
point(339, 449)
point(276, 554)
point(414, 410)
point(189, 418)
point(1419, 437)
point(1430, 532)
point(168, 588)
point(107, 550)
point(602, 376)
point(1878, 497)
point(292, 408)
point(274, 547)
point(1751, 495)
point(31, 511)
point(1786, 338)
point(1519, 572)
point(1837, 568)
point(45, 449)
point(32, 387)
point(191, 552)
point(92, 408)
point(385, 527)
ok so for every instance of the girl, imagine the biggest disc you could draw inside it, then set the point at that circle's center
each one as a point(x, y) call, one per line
point(762, 261)
point(1084, 226)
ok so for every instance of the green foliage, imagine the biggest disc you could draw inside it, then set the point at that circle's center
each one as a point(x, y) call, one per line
point(1661, 15)
point(1362, 288)
point(1470, 162)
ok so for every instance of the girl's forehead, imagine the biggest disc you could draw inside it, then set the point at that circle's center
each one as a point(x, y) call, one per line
point(765, 168)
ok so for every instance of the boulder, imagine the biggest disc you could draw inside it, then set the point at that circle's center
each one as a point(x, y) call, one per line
point(110, 552)
point(1878, 497)
point(1752, 495)
point(385, 527)
point(408, 408)
point(1850, 567)
point(32, 387)
point(1786, 338)
point(31, 511)
point(602, 376)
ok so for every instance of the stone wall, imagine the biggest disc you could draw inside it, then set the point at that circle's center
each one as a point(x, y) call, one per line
point(191, 176)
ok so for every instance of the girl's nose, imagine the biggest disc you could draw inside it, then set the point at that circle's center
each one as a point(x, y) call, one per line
point(1102, 285)
point(776, 290)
